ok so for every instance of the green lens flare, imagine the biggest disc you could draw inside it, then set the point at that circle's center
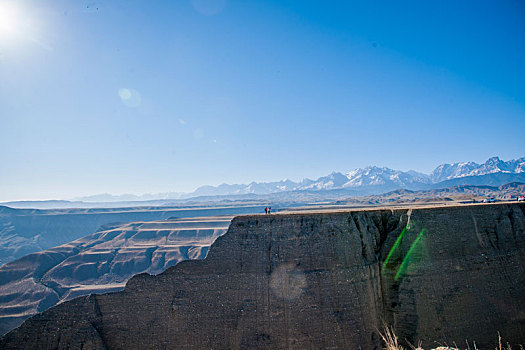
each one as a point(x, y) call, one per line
point(406, 260)
point(394, 248)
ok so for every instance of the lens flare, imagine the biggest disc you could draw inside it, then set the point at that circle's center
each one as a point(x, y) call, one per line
point(406, 261)
point(130, 97)
point(397, 261)
point(394, 248)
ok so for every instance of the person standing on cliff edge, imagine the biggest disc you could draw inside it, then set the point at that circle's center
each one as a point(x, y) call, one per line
point(266, 210)
point(269, 210)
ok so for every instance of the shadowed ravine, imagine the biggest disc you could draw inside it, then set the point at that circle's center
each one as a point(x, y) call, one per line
point(317, 280)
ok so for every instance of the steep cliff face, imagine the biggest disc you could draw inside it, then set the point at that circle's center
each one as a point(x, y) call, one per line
point(326, 280)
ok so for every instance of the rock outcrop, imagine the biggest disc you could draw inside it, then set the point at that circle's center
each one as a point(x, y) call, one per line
point(317, 280)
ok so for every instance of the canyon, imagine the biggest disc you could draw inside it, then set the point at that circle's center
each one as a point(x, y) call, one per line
point(328, 279)
point(101, 262)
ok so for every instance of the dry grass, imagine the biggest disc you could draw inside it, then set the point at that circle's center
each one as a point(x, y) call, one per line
point(391, 342)
point(390, 339)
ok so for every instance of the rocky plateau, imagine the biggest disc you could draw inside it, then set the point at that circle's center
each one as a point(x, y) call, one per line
point(316, 280)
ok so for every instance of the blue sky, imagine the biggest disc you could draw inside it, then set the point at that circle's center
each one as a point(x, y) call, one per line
point(156, 96)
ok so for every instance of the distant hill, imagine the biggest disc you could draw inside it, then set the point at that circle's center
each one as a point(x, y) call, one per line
point(495, 179)
point(460, 193)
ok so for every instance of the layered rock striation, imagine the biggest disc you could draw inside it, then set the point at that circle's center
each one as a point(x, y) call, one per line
point(26, 231)
point(316, 280)
point(101, 262)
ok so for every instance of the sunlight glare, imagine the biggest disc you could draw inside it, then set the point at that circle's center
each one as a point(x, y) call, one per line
point(9, 20)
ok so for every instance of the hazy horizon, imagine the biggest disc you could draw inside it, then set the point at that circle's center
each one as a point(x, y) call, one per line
point(148, 196)
point(135, 97)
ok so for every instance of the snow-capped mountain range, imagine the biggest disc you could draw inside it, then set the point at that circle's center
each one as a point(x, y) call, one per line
point(365, 181)
point(491, 166)
point(375, 179)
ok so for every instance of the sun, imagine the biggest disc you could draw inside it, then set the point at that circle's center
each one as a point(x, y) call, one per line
point(9, 20)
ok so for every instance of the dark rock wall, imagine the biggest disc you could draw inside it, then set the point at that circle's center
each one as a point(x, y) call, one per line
point(331, 280)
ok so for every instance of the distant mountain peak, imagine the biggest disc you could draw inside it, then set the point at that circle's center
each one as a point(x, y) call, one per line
point(493, 165)
point(374, 177)
point(370, 179)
